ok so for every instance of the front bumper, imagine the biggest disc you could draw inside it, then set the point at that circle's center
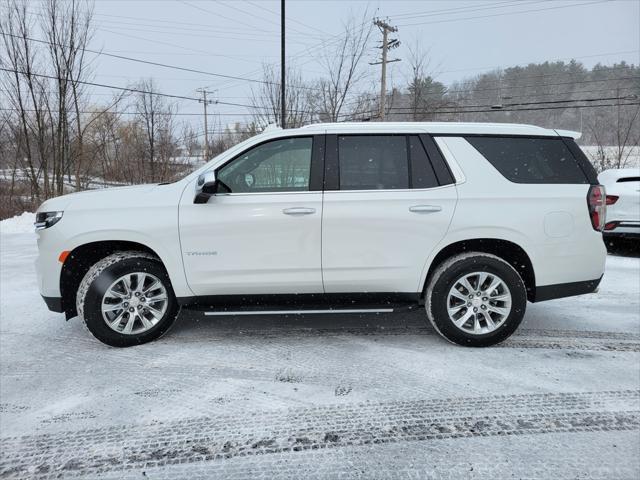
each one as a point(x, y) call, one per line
point(48, 267)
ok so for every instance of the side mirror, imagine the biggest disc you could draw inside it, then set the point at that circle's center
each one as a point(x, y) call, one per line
point(206, 186)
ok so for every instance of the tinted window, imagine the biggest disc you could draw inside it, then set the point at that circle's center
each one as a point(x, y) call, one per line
point(530, 160)
point(439, 164)
point(422, 174)
point(628, 179)
point(370, 162)
point(280, 165)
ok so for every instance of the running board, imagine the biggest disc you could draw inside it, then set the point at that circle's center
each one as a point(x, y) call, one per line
point(301, 304)
point(299, 312)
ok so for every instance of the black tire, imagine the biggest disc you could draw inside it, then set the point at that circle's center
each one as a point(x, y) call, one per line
point(95, 284)
point(443, 280)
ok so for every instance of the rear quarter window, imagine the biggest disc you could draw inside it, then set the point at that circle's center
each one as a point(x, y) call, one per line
point(530, 160)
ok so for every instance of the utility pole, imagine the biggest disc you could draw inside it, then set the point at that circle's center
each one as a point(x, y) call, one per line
point(205, 102)
point(387, 45)
point(283, 103)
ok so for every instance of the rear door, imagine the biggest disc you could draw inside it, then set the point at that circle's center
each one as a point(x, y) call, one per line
point(386, 206)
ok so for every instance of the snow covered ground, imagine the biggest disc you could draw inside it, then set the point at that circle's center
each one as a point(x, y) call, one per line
point(318, 397)
point(631, 154)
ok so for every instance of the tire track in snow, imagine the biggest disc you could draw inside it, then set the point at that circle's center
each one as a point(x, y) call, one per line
point(88, 452)
point(523, 338)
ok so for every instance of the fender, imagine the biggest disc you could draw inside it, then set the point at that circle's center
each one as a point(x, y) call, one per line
point(172, 260)
point(485, 234)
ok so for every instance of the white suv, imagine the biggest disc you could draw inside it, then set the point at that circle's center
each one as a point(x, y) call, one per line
point(470, 220)
point(623, 202)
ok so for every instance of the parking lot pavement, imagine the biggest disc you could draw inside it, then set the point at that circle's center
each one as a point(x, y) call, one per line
point(378, 396)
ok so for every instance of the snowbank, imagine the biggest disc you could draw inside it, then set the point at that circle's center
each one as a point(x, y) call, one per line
point(18, 224)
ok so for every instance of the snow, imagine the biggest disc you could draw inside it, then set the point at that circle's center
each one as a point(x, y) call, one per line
point(631, 154)
point(22, 223)
point(319, 396)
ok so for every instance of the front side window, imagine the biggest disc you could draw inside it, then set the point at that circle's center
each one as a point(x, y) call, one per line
point(282, 165)
point(373, 162)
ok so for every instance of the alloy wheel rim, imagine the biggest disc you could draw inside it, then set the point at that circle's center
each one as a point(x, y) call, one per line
point(479, 303)
point(134, 303)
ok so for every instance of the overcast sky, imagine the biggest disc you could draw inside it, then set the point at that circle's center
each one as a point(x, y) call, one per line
point(464, 38)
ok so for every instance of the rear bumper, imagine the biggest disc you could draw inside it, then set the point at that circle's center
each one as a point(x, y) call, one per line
point(549, 292)
point(53, 303)
point(624, 229)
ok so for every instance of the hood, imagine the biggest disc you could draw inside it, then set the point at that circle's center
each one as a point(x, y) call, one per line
point(115, 196)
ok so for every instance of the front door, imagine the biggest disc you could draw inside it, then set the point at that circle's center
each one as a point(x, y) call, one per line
point(263, 234)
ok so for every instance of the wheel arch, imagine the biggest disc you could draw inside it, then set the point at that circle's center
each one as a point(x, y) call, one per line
point(507, 250)
point(80, 260)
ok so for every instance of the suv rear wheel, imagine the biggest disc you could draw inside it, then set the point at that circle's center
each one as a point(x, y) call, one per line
point(476, 299)
point(126, 299)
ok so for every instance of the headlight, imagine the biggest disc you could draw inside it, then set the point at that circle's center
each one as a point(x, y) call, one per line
point(47, 219)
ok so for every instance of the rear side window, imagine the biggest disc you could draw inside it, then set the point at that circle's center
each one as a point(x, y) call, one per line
point(373, 162)
point(422, 174)
point(530, 160)
point(628, 179)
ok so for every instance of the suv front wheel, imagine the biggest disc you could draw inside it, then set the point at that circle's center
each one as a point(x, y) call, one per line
point(475, 299)
point(126, 299)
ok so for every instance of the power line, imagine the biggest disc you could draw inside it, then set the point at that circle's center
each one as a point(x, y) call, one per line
point(439, 93)
point(170, 22)
point(363, 25)
point(102, 85)
point(578, 82)
point(98, 111)
point(133, 90)
point(461, 111)
point(458, 10)
point(300, 32)
point(543, 102)
point(503, 13)
point(218, 14)
point(332, 39)
point(159, 64)
point(598, 90)
point(345, 115)
point(251, 34)
point(291, 19)
point(502, 67)
point(195, 33)
point(538, 85)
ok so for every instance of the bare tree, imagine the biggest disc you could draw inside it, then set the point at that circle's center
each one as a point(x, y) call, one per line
point(43, 87)
point(67, 27)
point(26, 95)
point(342, 68)
point(190, 145)
point(625, 136)
point(266, 99)
point(425, 95)
point(155, 117)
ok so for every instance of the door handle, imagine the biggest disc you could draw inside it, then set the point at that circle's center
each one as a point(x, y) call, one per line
point(299, 211)
point(425, 208)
